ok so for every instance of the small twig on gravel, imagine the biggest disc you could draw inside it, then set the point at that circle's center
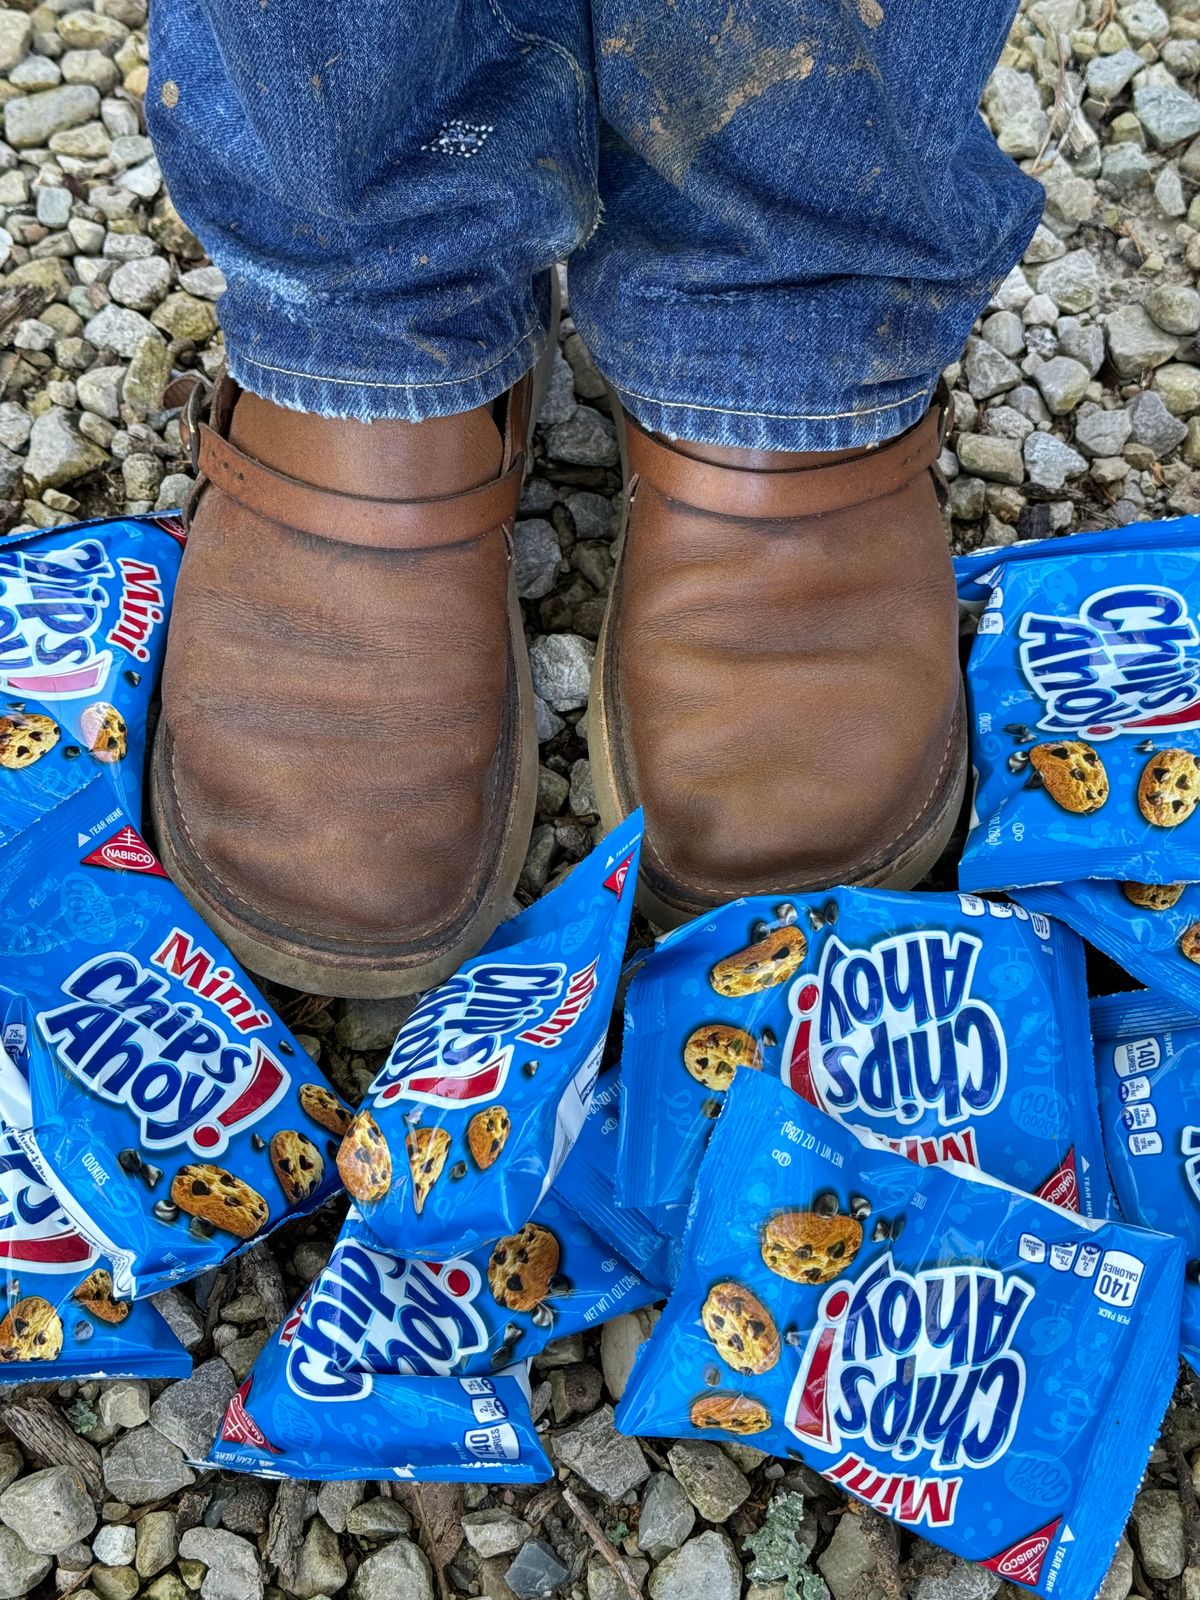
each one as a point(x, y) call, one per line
point(603, 1548)
point(77, 1581)
point(40, 1429)
point(1060, 90)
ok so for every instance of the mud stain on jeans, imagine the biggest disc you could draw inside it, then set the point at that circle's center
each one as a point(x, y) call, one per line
point(685, 97)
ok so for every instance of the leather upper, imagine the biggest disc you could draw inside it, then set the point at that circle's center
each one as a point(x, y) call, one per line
point(340, 689)
point(782, 678)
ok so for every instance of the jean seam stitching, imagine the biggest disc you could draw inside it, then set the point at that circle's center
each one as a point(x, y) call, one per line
point(522, 37)
point(776, 416)
point(375, 383)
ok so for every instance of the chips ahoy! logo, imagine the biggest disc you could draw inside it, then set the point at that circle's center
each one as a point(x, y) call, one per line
point(1122, 664)
point(457, 1046)
point(368, 1312)
point(896, 1031)
point(51, 604)
point(913, 1365)
point(34, 1229)
point(125, 1037)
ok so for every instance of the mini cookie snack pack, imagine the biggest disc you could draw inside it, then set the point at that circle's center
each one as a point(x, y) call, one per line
point(374, 1325)
point(953, 1026)
point(488, 1083)
point(82, 631)
point(1084, 691)
point(59, 1315)
point(988, 1369)
point(1148, 1077)
point(1152, 930)
point(170, 1110)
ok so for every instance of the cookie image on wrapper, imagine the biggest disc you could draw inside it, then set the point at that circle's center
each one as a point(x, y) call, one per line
point(297, 1163)
point(364, 1161)
point(741, 1328)
point(324, 1108)
point(217, 1197)
point(1072, 774)
point(1169, 788)
point(95, 1295)
point(1189, 943)
point(522, 1266)
point(729, 1413)
point(1153, 896)
point(761, 965)
point(806, 1247)
point(25, 739)
point(102, 729)
point(715, 1051)
point(32, 1331)
point(427, 1150)
point(487, 1133)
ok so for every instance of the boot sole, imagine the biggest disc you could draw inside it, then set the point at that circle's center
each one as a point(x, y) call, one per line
point(283, 958)
point(903, 871)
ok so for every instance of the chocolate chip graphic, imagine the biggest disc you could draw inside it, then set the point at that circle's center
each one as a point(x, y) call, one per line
point(826, 1204)
point(129, 1161)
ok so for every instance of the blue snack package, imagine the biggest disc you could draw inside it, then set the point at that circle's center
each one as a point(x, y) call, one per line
point(1148, 1077)
point(371, 1310)
point(313, 1421)
point(83, 613)
point(170, 1110)
point(487, 1085)
point(954, 1026)
point(587, 1184)
point(985, 1368)
point(59, 1317)
point(1083, 686)
point(1152, 930)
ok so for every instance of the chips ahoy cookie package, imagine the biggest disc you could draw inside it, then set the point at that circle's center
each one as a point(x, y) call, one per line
point(298, 1418)
point(1148, 1077)
point(953, 1026)
point(984, 1367)
point(373, 1321)
point(59, 1315)
point(170, 1110)
point(1152, 930)
point(488, 1083)
point(1084, 690)
point(83, 614)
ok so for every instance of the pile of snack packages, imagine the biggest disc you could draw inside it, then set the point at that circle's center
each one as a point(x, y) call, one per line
point(920, 1214)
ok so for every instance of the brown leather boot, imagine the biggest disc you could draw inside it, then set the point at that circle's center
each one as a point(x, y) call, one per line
point(777, 677)
point(345, 772)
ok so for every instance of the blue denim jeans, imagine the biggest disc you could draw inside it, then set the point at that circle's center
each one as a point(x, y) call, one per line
point(782, 216)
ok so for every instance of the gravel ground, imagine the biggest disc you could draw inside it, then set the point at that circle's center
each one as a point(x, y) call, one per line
point(1076, 405)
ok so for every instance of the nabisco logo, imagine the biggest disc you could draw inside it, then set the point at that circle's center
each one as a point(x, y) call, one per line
point(459, 1043)
point(124, 851)
point(129, 1035)
point(34, 1229)
point(51, 604)
point(914, 1366)
point(896, 1031)
point(1121, 665)
point(368, 1312)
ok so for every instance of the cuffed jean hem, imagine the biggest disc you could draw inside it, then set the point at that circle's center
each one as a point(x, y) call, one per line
point(368, 399)
point(750, 430)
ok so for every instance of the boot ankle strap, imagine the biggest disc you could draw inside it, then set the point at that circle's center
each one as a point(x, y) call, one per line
point(330, 514)
point(355, 519)
point(814, 491)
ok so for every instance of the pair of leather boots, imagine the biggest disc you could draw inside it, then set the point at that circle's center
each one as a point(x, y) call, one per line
point(345, 773)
